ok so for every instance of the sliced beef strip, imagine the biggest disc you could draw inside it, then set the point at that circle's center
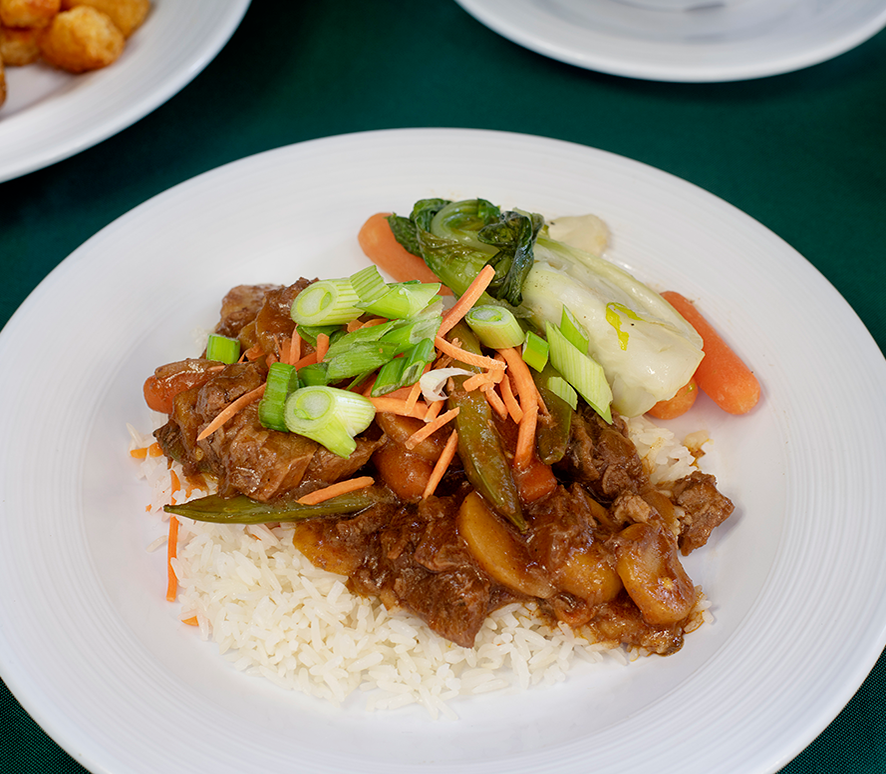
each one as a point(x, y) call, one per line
point(704, 509)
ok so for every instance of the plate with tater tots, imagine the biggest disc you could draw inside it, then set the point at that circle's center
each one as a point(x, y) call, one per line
point(75, 72)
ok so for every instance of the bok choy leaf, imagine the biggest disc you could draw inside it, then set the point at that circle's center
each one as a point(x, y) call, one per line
point(646, 349)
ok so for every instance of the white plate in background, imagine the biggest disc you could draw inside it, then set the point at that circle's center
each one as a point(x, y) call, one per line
point(714, 40)
point(50, 115)
point(93, 651)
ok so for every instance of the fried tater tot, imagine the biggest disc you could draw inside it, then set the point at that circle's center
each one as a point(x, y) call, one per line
point(81, 39)
point(28, 13)
point(128, 15)
point(18, 45)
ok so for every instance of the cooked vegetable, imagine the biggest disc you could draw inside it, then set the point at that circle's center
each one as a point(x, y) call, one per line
point(330, 416)
point(382, 248)
point(497, 551)
point(326, 302)
point(244, 510)
point(535, 350)
point(581, 371)
point(662, 350)
point(722, 375)
point(282, 380)
point(479, 446)
point(495, 326)
point(171, 551)
point(334, 490)
point(222, 348)
point(678, 405)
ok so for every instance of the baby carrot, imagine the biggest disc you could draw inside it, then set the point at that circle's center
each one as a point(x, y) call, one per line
point(382, 248)
point(722, 374)
point(678, 405)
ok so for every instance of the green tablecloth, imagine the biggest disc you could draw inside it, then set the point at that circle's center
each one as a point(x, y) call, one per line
point(803, 153)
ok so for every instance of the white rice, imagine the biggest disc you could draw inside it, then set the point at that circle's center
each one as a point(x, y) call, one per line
point(272, 613)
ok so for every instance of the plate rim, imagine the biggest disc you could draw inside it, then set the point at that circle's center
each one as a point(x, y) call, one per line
point(182, 188)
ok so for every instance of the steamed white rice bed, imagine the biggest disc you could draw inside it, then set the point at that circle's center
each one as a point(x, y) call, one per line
point(272, 613)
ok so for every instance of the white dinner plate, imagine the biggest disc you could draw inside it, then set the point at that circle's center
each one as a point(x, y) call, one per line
point(50, 115)
point(93, 651)
point(685, 40)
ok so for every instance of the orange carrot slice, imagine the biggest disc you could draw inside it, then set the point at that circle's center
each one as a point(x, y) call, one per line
point(442, 464)
point(399, 406)
point(430, 428)
point(461, 307)
point(231, 410)
point(674, 407)
point(171, 552)
point(336, 489)
point(382, 248)
point(722, 374)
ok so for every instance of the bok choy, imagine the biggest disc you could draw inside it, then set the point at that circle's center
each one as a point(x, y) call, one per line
point(646, 349)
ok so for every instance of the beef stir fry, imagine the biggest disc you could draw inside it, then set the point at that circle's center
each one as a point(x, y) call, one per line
point(581, 531)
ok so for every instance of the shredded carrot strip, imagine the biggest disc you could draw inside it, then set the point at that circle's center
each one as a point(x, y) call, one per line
point(478, 381)
point(354, 325)
point(171, 551)
point(369, 385)
point(374, 321)
point(433, 410)
point(338, 488)
point(294, 347)
point(192, 621)
point(139, 454)
point(431, 427)
point(254, 352)
point(176, 485)
point(510, 401)
point(154, 450)
point(231, 410)
point(441, 465)
point(309, 359)
point(322, 346)
point(495, 401)
point(461, 307)
point(414, 393)
point(386, 405)
point(464, 356)
point(528, 394)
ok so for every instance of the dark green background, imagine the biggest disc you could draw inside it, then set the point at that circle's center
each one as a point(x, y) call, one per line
point(803, 153)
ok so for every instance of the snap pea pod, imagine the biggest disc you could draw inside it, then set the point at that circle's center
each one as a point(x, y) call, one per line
point(552, 433)
point(479, 445)
point(244, 510)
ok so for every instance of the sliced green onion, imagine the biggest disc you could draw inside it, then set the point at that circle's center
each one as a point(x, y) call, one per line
point(309, 333)
point(535, 351)
point(282, 380)
point(581, 371)
point(406, 333)
point(329, 416)
point(388, 378)
point(368, 284)
point(403, 299)
point(495, 326)
point(359, 359)
point(564, 390)
point(357, 338)
point(222, 349)
point(404, 371)
point(326, 302)
point(312, 375)
point(573, 330)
